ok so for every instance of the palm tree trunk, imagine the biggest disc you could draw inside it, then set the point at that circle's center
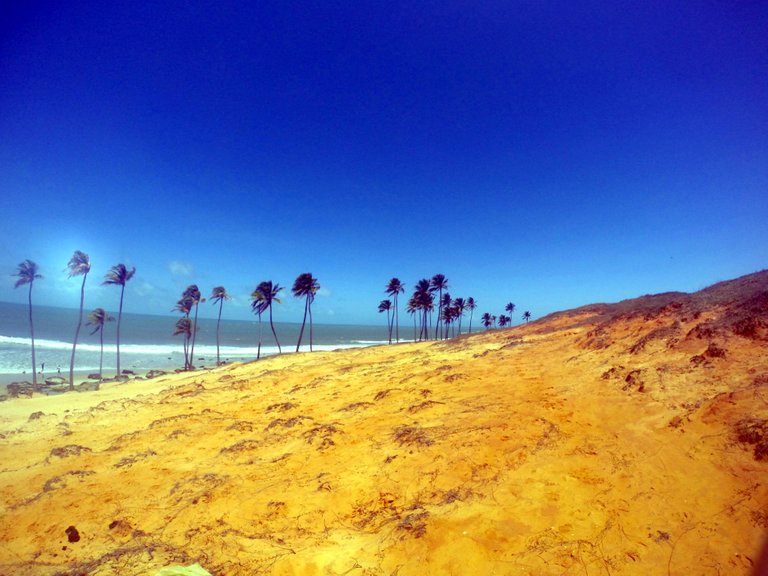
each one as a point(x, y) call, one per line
point(194, 335)
point(218, 322)
point(389, 327)
point(77, 335)
point(32, 335)
point(101, 355)
point(396, 320)
point(258, 353)
point(301, 333)
point(272, 325)
point(119, 318)
point(309, 306)
point(421, 325)
point(471, 312)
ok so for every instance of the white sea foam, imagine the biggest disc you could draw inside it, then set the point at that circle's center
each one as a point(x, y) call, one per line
point(15, 358)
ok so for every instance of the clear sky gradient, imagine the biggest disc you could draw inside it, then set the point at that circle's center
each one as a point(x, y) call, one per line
point(551, 154)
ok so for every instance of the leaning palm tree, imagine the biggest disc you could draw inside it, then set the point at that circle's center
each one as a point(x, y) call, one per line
point(218, 295)
point(487, 320)
point(98, 318)
point(79, 264)
point(27, 274)
point(306, 286)
point(411, 308)
point(526, 316)
point(386, 306)
point(395, 287)
point(438, 283)
point(268, 293)
point(184, 327)
point(118, 275)
point(193, 293)
point(258, 305)
point(471, 306)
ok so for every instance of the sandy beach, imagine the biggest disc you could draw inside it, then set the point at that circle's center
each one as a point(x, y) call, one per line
point(600, 441)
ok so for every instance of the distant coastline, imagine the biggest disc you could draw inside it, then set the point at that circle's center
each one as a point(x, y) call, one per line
point(148, 342)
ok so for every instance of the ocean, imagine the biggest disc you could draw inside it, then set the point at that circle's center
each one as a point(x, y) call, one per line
point(147, 341)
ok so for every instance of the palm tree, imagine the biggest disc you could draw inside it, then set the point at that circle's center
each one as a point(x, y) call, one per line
point(526, 316)
point(459, 304)
point(118, 275)
point(184, 305)
point(306, 286)
point(193, 293)
point(438, 283)
point(510, 308)
point(386, 306)
point(218, 295)
point(258, 305)
point(98, 318)
point(487, 320)
point(503, 320)
point(424, 302)
point(267, 292)
point(395, 287)
point(449, 313)
point(471, 305)
point(184, 327)
point(445, 304)
point(79, 264)
point(27, 274)
point(411, 308)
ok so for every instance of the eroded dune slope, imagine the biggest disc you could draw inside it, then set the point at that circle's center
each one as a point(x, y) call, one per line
point(612, 439)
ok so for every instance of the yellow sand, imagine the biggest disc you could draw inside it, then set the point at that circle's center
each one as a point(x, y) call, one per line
point(503, 453)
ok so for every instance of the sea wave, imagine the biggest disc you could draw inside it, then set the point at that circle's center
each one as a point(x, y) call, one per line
point(14, 354)
point(202, 349)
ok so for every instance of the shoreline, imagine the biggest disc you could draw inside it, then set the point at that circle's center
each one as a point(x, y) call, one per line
point(83, 381)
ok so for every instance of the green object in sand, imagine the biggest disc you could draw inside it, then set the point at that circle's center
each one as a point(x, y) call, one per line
point(194, 570)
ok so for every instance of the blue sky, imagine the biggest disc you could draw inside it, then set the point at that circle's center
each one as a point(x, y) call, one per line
point(551, 154)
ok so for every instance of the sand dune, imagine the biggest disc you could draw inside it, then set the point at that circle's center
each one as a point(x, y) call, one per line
point(613, 439)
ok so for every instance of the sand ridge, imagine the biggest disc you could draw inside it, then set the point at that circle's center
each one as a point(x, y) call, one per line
point(581, 446)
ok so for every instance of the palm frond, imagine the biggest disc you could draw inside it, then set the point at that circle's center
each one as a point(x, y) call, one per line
point(305, 285)
point(394, 286)
point(79, 264)
point(98, 317)
point(118, 275)
point(218, 294)
point(183, 326)
point(26, 273)
point(192, 292)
